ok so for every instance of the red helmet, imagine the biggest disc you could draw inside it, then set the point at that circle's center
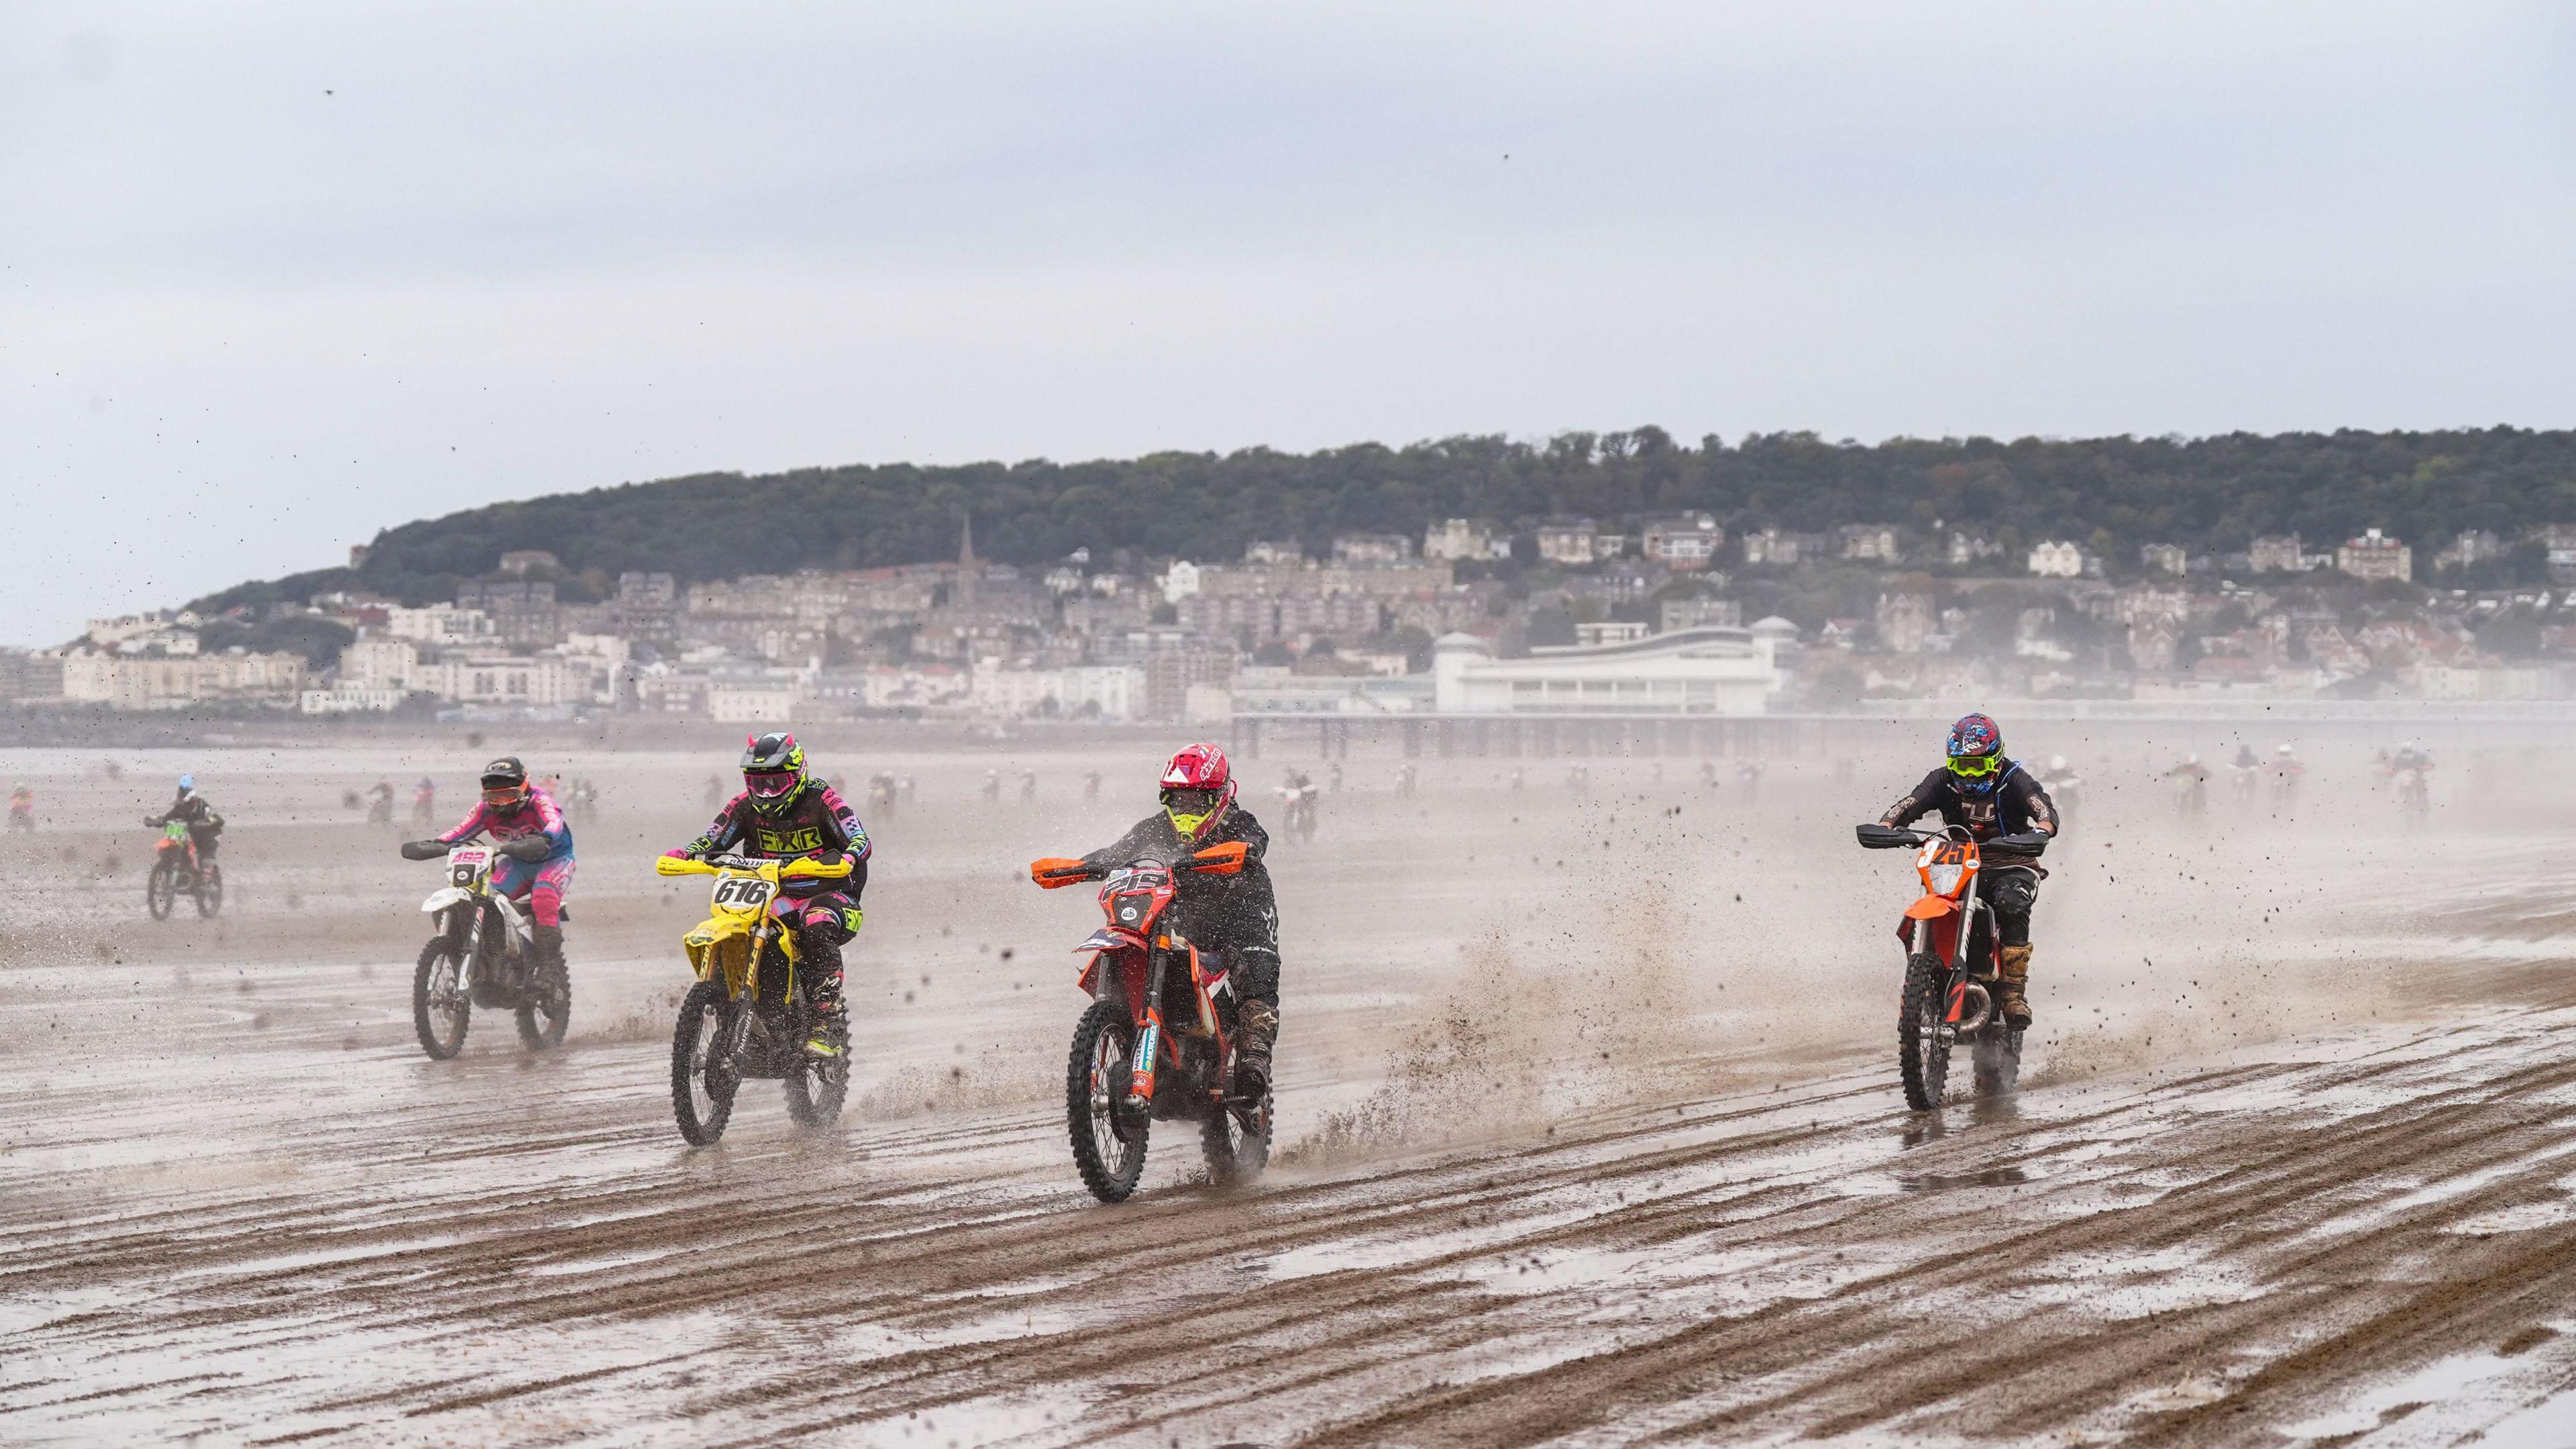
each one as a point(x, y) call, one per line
point(1198, 789)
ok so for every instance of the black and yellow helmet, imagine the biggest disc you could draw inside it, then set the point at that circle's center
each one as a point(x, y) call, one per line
point(773, 771)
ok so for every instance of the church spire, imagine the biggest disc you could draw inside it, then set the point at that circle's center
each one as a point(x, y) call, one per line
point(967, 568)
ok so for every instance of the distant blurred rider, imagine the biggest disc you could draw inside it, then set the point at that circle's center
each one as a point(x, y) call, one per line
point(190, 809)
point(1236, 917)
point(512, 809)
point(784, 813)
point(1991, 796)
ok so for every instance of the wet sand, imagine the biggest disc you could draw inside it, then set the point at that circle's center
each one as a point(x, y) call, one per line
point(1589, 1134)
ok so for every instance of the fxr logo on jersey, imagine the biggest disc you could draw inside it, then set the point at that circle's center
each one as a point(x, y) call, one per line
point(790, 842)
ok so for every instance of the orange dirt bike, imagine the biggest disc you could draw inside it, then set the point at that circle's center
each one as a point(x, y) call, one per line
point(176, 871)
point(1154, 1043)
point(1950, 964)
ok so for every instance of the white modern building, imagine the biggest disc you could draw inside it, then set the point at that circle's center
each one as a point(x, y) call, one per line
point(2057, 560)
point(1691, 671)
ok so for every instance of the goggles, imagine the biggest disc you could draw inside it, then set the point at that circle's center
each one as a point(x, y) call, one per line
point(1191, 802)
point(1975, 767)
point(504, 794)
point(770, 784)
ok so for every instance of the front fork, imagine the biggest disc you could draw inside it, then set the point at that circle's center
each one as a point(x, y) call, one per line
point(466, 938)
point(1140, 1079)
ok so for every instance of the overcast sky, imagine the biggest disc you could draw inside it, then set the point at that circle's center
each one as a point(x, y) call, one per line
point(276, 275)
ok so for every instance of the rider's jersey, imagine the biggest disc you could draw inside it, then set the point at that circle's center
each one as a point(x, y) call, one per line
point(192, 811)
point(1237, 911)
point(2410, 760)
point(818, 822)
point(536, 815)
point(2017, 804)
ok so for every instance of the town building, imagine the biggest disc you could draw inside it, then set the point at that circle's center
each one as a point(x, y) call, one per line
point(2057, 560)
point(1694, 671)
point(1688, 542)
point(2375, 557)
point(230, 678)
point(1465, 540)
point(2165, 558)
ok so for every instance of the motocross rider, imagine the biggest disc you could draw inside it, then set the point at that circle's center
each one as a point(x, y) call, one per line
point(190, 809)
point(1991, 796)
point(1235, 917)
point(512, 809)
point(784, 813)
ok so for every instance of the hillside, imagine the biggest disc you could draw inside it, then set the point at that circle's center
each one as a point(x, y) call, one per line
point(2209, 494)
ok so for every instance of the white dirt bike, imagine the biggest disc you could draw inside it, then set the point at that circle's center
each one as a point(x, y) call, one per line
point(484, 953)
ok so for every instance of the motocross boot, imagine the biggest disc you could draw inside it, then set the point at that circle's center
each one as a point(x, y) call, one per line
point(1256, 1028)
point(831, 1036)
point(2012, 974)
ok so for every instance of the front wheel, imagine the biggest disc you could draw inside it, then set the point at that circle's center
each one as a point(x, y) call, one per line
point(1108, 1143)
point(1923, 1033)
point(160, 890)
point(210, 890)
point(702, 1079)
point(440, 1010)
point(546, 1007)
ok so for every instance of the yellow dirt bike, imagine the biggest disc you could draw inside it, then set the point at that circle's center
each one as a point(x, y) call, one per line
point(747, 1016)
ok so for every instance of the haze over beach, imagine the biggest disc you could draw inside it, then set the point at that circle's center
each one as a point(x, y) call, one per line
point(277, 279)
point(1833, 723)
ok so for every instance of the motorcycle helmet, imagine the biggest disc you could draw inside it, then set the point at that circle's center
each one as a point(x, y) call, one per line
point(505, 783)
point(1976, 753)
point(773, 771)
point(2057, 764)
point(2283, 752)
point(187, 786)
point(1198, 788)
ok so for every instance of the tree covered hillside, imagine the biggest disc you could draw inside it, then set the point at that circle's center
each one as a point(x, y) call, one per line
point(2208, 494)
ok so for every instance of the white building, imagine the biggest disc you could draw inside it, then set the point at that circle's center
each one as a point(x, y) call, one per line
point(2375, 556)
point(1180, 581)
point(347, 698)
point(1567, 541)
point(1460, 540)
point(2057, 561)
point(1688, 542)
point(508, 679)
point(440, 626)
point(748, 701)
point(378, 664)
point(234, 677)
point(1105, 691)
point(1692, 671)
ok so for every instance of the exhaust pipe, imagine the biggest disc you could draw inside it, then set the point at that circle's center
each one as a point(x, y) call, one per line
point(1975, 1006)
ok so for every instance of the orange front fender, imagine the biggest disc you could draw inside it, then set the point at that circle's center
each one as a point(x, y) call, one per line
point(1930, 908)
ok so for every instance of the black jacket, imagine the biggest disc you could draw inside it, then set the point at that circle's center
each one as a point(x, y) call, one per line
point(193, 811)
point(1236, 912)
point(2016, 804)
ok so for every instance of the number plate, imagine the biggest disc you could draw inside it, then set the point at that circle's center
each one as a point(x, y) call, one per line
point(464, 866)
point(743, 892)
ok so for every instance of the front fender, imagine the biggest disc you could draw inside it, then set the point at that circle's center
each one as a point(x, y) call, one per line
point(440, 900)
point(703, 939)
point(1931, 908)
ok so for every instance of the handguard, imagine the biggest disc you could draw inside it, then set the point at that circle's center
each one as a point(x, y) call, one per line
point(1223, 859)
point(1056, 871)
point(422, 850)
point(1886, 837)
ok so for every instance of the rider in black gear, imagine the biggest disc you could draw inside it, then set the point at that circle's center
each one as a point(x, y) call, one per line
point(191, 809)
point(1992, 796)
point(1235, 917)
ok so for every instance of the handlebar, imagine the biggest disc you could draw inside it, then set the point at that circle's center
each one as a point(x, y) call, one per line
point(1227, 858)
point(423, 849)
point(773, 871)
point(1891, 837)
